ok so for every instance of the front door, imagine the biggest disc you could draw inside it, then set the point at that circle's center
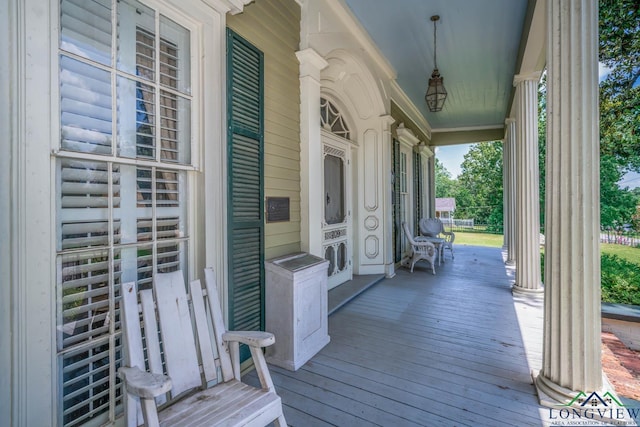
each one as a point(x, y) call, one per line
point(336, 199)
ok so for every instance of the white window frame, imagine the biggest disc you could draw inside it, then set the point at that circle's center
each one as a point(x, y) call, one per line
point(196, 148)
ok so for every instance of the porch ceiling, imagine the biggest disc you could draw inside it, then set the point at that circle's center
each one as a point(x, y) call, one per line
point(479, 49)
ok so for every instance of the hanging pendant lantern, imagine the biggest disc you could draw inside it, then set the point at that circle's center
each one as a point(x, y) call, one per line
point(436, 93)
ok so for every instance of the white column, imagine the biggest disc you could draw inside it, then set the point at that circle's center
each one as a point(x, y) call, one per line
point(527, 185)
point(571, 355)
point(387, 187)
point(432, 184)
point(510, 191)
point(311, 209)
point(505, 195)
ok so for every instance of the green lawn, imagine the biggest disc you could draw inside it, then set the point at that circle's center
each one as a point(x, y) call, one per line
point(625, 252)
point(478, 239)
point(495, 240)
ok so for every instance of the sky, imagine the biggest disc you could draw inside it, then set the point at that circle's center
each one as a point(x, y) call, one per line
point(452, 156)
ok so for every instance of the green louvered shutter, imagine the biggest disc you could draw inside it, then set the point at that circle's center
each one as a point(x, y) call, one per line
point(397, 227)
point(417, 191)
point(245, 185)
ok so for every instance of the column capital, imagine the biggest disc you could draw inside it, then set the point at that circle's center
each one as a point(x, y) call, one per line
point(534, 76)
point(311, 63)
point(509, 121)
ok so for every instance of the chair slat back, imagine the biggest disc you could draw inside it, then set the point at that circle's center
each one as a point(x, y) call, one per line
point(204, 337)
point(133, 344)
point(167, 314)
point(178, 339)
point(218, 325)
point(150, 322)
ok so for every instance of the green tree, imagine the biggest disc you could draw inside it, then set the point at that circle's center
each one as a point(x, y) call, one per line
point(617, 205)
point(619, 50)
point(620, 92)
point(542, 143)
point(481, 178)
point(445, 185)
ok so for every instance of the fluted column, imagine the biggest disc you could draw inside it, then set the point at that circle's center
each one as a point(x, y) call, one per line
point(510, 191)
point(571, 355)
point(432, 185)
point(311, 63)
point(527, 185)
point(505, 195)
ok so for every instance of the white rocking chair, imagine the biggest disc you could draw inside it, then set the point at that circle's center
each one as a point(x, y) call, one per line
point(421, 250)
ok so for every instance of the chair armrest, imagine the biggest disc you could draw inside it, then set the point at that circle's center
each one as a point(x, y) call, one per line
point(450, 236)
point(250, 338)
point(144, 384)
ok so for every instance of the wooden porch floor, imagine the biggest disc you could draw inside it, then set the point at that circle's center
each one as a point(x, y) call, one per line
point(418, 349)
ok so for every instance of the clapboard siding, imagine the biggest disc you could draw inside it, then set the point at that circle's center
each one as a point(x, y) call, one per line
point(274, 28)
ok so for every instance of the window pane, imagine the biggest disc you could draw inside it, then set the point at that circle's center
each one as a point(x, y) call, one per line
point(334, 189)
point(175, 128)
point(85, 29)
point(175, 56)
point(171, 204)
point(84, 296)
point(136, 119)
point(85, 107)
point(169, 256)
point(85, 376)
point(136, 39)
point(83, 204)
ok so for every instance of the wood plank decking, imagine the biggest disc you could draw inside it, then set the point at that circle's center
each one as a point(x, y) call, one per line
point(424, 350)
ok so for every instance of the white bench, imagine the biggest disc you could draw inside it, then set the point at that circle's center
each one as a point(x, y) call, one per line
point(199, 384)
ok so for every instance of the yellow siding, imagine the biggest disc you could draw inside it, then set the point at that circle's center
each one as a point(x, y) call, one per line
point(274, 27)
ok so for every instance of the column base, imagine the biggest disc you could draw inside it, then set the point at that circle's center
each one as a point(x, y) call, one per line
point(389, 270)
point(515, 289)
point(551, 394)
point(510, 262)
point(558, 398)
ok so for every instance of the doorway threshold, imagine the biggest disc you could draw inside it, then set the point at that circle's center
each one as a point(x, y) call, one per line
point(342, 294)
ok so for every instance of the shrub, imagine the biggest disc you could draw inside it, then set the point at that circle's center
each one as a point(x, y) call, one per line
point(620, 280)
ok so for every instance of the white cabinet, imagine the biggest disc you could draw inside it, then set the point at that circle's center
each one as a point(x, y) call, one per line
point(296, 308)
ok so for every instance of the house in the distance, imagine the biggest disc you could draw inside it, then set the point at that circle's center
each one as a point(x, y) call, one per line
point(444, 209)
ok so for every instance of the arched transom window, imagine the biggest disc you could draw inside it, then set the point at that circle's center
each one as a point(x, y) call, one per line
point(332, 120)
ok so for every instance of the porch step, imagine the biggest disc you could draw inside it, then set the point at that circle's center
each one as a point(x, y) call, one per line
point(342, 294)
